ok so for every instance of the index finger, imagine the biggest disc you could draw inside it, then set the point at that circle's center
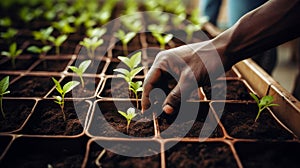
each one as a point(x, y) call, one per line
point(152, 79)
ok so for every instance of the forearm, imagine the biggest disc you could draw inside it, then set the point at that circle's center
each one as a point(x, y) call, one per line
point(273, 23)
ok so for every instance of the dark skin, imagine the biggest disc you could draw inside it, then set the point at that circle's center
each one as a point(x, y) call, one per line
point(275, 22)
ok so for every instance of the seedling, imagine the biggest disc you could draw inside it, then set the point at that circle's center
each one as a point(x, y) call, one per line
point(12, 53)
point(4, 83)
point(132, 63)
point(129, 115)
point(177, 20)
point(96, 32)
point(39, 50)
point(132, 22)
point(91, 44)
point(9, 34)
point(63, 26)
point(162, 39)
point(81, 69)
point(57, 42)
point(264, 102)
point(43, 35)
point(190, 29)
point(125, 38)
point(62, 91)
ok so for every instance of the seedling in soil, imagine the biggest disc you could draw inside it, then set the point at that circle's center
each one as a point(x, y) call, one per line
point(57, 42)
point(12, 53)
point(162, 39)
point(4, 83)
point(91, 44)
point(43, 35)
point(9, 34)
point(42, 51)
point(96, 32)
point(81, 69)
point(125, 38)
point(62, 91)
point(189, 30)
point(264, 102)
point(129, 115)
point(132, 63)
point(132, 22)
point(63, 26)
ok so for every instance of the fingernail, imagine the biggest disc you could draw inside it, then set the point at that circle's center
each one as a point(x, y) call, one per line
point(168, 109)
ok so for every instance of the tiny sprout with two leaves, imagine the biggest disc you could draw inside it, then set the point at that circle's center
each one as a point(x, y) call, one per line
point(263, 103)
point(4, 83)
point(91, 45)
point(81, 69)
point(162, 39)
point(125, 38)
point(129, 115)
point(39, 50)
point(62, 91)
point(12, 53)
point(57, 42)
point(43, 34)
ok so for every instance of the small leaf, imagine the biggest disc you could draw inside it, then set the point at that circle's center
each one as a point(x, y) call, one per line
point(123, 114)
point(254, 97)
point(74, 69)
point(128, 37)
point(167, 38)
point(58, 86)
point(58, 98)
point(4, 83)
point(131, 113)
point(70, 85)
point(136, 71)
point(266, 100)
point(60, 39)
point(122, 71)
point(34, 49)
point(136, 59)
point(126, 61)
point(84, 65)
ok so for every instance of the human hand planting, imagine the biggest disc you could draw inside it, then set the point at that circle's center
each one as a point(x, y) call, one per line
point(190, 65)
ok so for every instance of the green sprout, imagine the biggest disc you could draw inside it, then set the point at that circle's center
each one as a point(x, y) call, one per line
point(4, 83)
point(96, 32)
point(12, 53)
point(189, 30)
point(9, 34)
point(58, 42)
point(132, 63)
point(162, 39)
point(81, 69)
point(132, 22)
point(62, 91)
point(63, 26)
point(39, 50)
point(43, 35)
point(5, 22)
point(263, 103)
point(91, 44)
point(129, 116)
point(125, 38)
point(177, 20)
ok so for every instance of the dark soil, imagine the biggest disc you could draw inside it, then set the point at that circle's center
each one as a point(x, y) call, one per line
point(51, 65)
point(47, 119)
point(88, 91)
point(110, 123)
point(4, 141)
point(15, 116)
point(200, 155)
point(269, 154)
point(41, 152)
point(31, 86)
point(181, 127)
point(21, 64)
point(235, 90)
point(238, 120)
point(117, 88)
point(111, 159)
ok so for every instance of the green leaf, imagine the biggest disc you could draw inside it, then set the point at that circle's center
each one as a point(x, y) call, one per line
point(254, 97)
point(84, 65)
point(58, 98)
point(123, 114)
point(136, 71)
point(128, 37)
point(57, 86)
point(13, 48)
point(167, 38)
point(136, 59)
point(122, 71)
point(266, 100)
point(126, 61)
point(75, 69)
point(60, 39)
point(69, 86)
point(131, 113)
point(4, 83)
point(34, 49)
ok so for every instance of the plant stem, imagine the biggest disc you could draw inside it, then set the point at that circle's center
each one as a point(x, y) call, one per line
point(57, 51)
point(162, 46)
point(1, 106)
point(128, 123)
point(62, 107)
point(136, 99)
point(13, 62)
point(125, 49)
point(82, 81)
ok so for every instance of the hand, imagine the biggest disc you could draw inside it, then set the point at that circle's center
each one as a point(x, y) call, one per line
point(191, 65)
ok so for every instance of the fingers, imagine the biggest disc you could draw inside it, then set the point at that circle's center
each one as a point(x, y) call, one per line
point(150, 81)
